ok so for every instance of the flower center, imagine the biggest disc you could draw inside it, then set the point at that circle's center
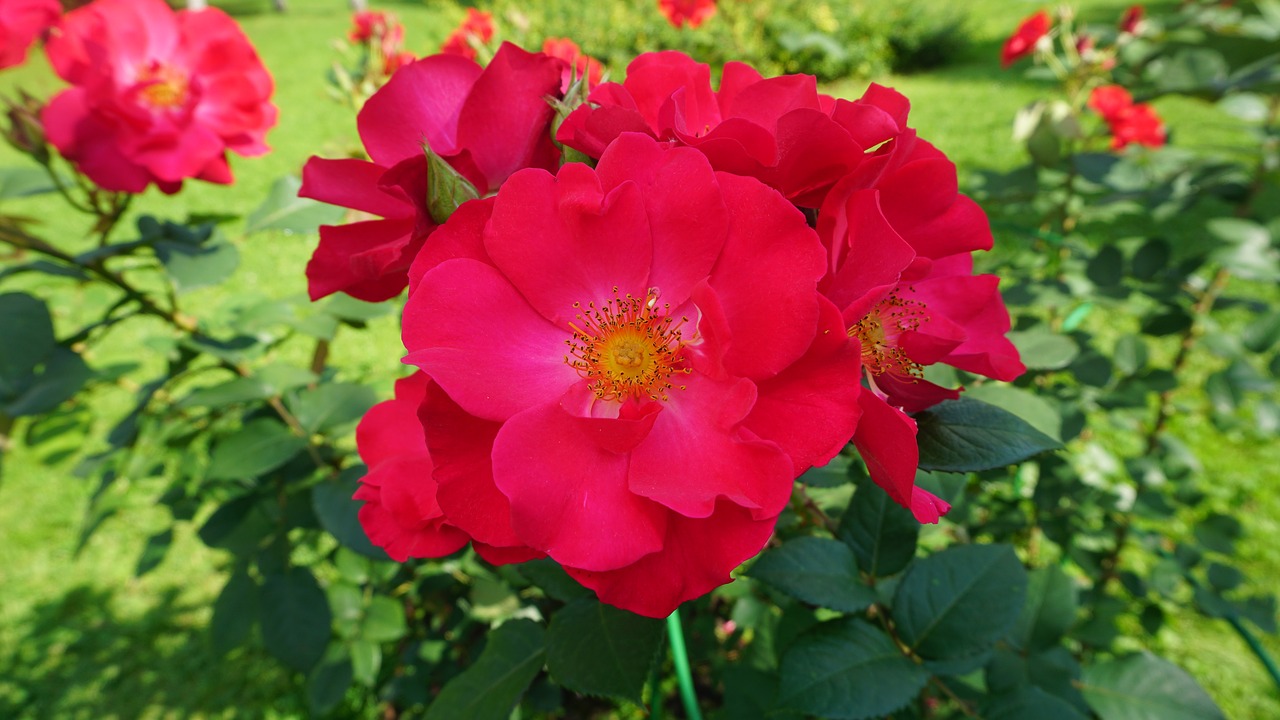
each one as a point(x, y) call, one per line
point(879, 333)
point(163, 86)
point(628, 347)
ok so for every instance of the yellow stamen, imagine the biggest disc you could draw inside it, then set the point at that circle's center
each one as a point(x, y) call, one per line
point(628, 347)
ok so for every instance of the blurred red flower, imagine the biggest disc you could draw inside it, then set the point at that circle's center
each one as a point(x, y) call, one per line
point(581, 65)
point(625, 383)
point(476, 27)
point(1128, 121)
point(21, 22)
point(1024, 39)
point(693, 12)
point(487, 123)
point(157, 96)
point(1131, 19)
point(368, 24)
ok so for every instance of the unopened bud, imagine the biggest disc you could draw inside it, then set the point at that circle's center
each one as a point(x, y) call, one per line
point(25, 132)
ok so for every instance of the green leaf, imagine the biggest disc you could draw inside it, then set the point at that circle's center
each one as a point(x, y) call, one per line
point(967, 435)
point(446, 188)
point(328, 682)
point(1219, 532)
point(1145, 687)
point(194, 265)
point(63, 375)
point(339, 514)
point(1224, 577)
point(597, 649)
point(284, 210)
point(366, 661)
point(1050, 610)
point(1025, 404)
point(234, 612)
point(881, 532)
point(332, 405)
point(1170, 322)
point(383, 620)
point(1030, 702)
point(16, 182)
point(236, 390)
point(1106, 269)
point(1043, 350)
point(154, 551)
point(816, 570)
point(345, 307)
point(833, 474)
point(260, 446)
point(958, 602)
point(1131, 355)
point(848, 670)
point(493, 686)
point(1262, 334)
point(295, 618)
point(27, 329)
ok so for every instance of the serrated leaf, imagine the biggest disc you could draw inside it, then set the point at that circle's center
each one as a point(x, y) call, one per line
point(848, 670)
point(295, 618)
point(968, 435)
point(338, 513)
point(234, 612)
point(1025, 404)
point(1145, 687)
point(1050, 610)
point(492, 687)
point(959, 601)
point(597, 649)
point(816, 570)
point(881, 532)
point(1030, 702)
point(260, 446)
point(332, 405)
point(284, 210)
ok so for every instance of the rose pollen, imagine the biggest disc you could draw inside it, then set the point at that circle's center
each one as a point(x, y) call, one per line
point(627, 347)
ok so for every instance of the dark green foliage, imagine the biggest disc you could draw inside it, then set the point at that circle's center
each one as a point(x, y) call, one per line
point(816, 570)
point(492, 687)
point(596, 649)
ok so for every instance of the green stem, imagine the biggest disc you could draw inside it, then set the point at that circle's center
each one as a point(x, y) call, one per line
point(1260, 652)
point(681, 659)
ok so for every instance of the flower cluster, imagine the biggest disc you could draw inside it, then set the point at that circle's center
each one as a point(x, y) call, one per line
point(157, 96)
point(381, 36)
point(1128, 121)
point(476, 30)
point(625, 364)
point(690, 12)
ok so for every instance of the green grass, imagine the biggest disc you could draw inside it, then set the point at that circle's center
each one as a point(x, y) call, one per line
point(80, 636)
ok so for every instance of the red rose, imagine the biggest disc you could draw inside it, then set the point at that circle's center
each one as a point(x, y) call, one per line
point(487, 123)
point(158, 96)
point(1110, 101)
point(400, 513)
point(1023, 41)
point(476, 27)
point(780, 130)
point(693, 12)
point(580, 64)
point(624, 383)
point(21, 22)
point(900, 236)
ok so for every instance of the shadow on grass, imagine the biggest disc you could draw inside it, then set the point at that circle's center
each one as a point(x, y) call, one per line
point(81, 658)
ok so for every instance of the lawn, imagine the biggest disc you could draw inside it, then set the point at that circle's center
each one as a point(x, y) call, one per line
point(81, 636)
